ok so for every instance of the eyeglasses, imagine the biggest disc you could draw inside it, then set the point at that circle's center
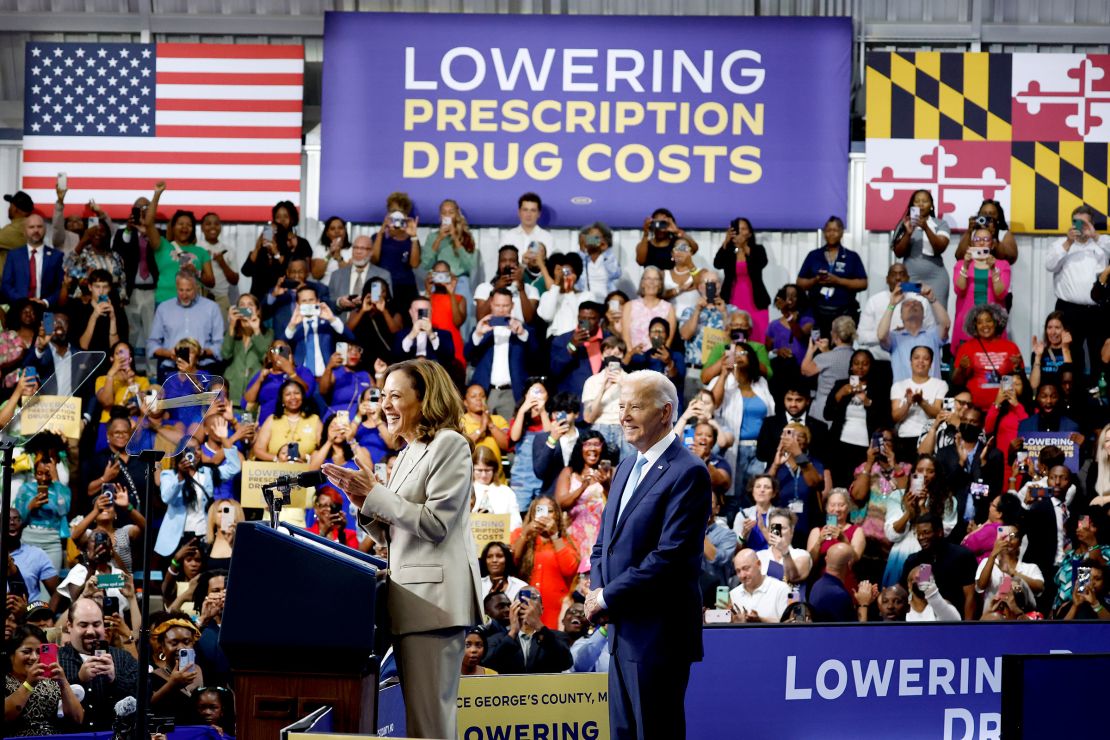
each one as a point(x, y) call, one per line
point(981, 239)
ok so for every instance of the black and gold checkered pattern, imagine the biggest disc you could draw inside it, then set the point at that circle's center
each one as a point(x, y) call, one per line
point(934, 95)
point(1050, 179)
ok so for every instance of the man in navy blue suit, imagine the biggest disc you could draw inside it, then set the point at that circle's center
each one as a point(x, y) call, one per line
point(576, 355)
point(650, 544)
point(498, 352)
point(45, 284)
point(424, 340)
point(313, 330)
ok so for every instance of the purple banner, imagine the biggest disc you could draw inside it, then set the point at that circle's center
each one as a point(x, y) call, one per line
point(605, 117)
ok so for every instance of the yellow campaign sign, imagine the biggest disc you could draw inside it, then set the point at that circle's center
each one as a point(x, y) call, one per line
point(488, 528)
point(555, 705)
point(57, 414)
point(257, 474)
point(711, 339)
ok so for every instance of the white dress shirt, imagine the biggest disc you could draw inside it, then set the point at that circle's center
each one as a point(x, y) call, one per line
point(421, 343)
point(317, 356)
point(500, 373)
point(520, 239)
point(1074, 270)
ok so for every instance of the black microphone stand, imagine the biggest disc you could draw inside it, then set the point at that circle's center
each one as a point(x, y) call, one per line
point(7, 446)
point(276, 500)
point(152, 458)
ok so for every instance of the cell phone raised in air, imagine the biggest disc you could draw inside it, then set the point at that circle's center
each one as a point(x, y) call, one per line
point(111, 605)
point(48, 653)
point(710, 291)
point(722, 599)
point(499, 321)
point(183, 353)
point(294, 450)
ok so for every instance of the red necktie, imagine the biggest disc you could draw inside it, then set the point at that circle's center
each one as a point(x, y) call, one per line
point(32, 289)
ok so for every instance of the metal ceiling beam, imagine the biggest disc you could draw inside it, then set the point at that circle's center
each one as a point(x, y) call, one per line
point(176, 24)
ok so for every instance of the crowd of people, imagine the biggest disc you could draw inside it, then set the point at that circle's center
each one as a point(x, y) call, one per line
point(866, 447)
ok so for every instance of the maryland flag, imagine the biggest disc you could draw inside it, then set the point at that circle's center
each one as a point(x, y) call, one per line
point(1028, 130)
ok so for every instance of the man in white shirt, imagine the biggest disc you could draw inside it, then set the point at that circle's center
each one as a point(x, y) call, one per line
point(1075, 261)
point(867, 332)
point(559, 305)
point(529, 208)
point(926, 603)
point(497, 352)
point(758, 598)
point(423, 339)
point(601, 395)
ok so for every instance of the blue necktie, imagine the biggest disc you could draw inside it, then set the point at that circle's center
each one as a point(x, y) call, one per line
point(310, 347)
point(630, 484)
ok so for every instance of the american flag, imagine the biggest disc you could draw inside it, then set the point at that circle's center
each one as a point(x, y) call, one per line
point(220, 123)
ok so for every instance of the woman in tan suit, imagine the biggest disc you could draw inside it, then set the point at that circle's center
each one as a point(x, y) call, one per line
point(423, 515)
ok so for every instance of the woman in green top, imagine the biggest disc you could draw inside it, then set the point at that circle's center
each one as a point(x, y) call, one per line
point(180, 254)
point(245, 345)
point(454, 244)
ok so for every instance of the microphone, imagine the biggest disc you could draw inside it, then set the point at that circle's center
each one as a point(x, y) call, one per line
point(124, 724)
point(307, 479)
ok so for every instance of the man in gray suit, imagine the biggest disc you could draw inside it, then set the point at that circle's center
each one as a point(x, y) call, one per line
point(348, 281)
point(423, 515)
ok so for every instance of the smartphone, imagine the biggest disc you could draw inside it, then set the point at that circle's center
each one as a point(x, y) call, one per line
point(722, 599)
point(560, 417)
point(543, 510)
point(341, 348)
point(660, 226)
point(525, 594)
point(101, 648)
point(375, 395)
point(381, 472)
point(94, 221)
point(343, 417)
point(917, 483)
point(924, 573)
point(776, 529)
point(48, 323)
point(815, 335)
point(290, 283)
point(499, 321)
point(1078, 224)
point(1006, 586)
point(186, 659)
point(853, 381)
point(48, 653)
point(738, 335)
point(657, 343)
point(1039, 492)
point(31, 373)
point(111, 605)
point(108, 491)
point(734, 224)
point(283, 351)
point(294, 451)
point(711, 291)
point(915, 213)
point(830, 520)
point(877, 441)
point(63, 184)
point(1082, 578)
point(948, 404)
point(375, 292)
point(183, 353)
point(615, 305)
point(227, 518)
point(979, 490)
point(605, 466)
point(911, 287)
point(422, 313)
point(980, 253)
point(105, 581)
point(445, 221)
point(583, 325)
point(1007, 382)
point(688, 437)
point(310, 310)
point(1004, 532)
point(267, 233)
point(443, 278)
point(246, 418)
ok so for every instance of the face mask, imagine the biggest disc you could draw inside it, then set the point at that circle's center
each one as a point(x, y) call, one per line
point(970, 432)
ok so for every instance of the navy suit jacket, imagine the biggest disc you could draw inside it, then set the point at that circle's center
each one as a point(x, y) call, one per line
point(569, 372)
point(445, 355)
point(16, 281)
point(328, 338)
point(654, 549)
point(281, 309)
point(480, 357)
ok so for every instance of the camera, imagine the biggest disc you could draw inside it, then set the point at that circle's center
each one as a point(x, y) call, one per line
point(189, 457)
point(659, 225)
point(397, 220)
point(441, 278)
point(246, 312)
point(985, 221)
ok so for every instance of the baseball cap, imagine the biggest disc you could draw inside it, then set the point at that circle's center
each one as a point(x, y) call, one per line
point(37, 610)
point(22, 201)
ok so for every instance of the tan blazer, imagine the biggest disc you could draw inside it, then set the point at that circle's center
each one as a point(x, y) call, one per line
point(424, 515)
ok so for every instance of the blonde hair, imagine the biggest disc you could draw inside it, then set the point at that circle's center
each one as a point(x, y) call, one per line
point(441, 407)
point(658, 274)
point(191, 343)
point(1102, 459)
point(214, 515)
point(483, 455)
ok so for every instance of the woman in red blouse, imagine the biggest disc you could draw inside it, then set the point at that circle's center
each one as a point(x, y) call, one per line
point(548, 557)
point(448, 309)
point(986, 356)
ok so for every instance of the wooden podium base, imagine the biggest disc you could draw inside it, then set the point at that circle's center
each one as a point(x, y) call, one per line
point(265, 701)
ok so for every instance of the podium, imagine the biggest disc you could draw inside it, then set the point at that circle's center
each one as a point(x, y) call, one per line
point(298, 630)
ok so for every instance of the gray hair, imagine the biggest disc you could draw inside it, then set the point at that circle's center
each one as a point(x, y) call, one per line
point(785, 513)
point(606, 232)
point(658, 272)
point(188, 275)
point(739, 312)
point(1001, 318)
point(844, 329)
point(658, 387)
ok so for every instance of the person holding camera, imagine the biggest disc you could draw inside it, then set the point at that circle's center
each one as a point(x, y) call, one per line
point(292, 432)
point(174, 674)
point(396, 247)
point(834, 276)
point(548, 558)
point(601, 395)
point(423, 516)
point(342, 379)
point(245, 344)
point(348, 283)
point(97, 562)
point(742, 260)
point(655, 246)
point(277, 368)
point(281, 300)
point(909, 310)
point(186, 490)
point(560, 302)
point(36, 691)
point(576, 354)
point(112, 506)
point(582, 490)
point(448, 307)
point(374, 322)
point(980, 275)
point(509, 276)
point(277, 244)
point(531, 645)
point(919, 241)
point(990, 216)
point(423, 340)
point(491, 494)
point(1003, 568)
point(331, 520)
point(108, 674)
point(313, 331)
point(101, 323)
point(43, 503)
point(638, 313)
point(601, 270)
point(1073, 260)
point(178, 254)
point(498, 353)
point(662, 356)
